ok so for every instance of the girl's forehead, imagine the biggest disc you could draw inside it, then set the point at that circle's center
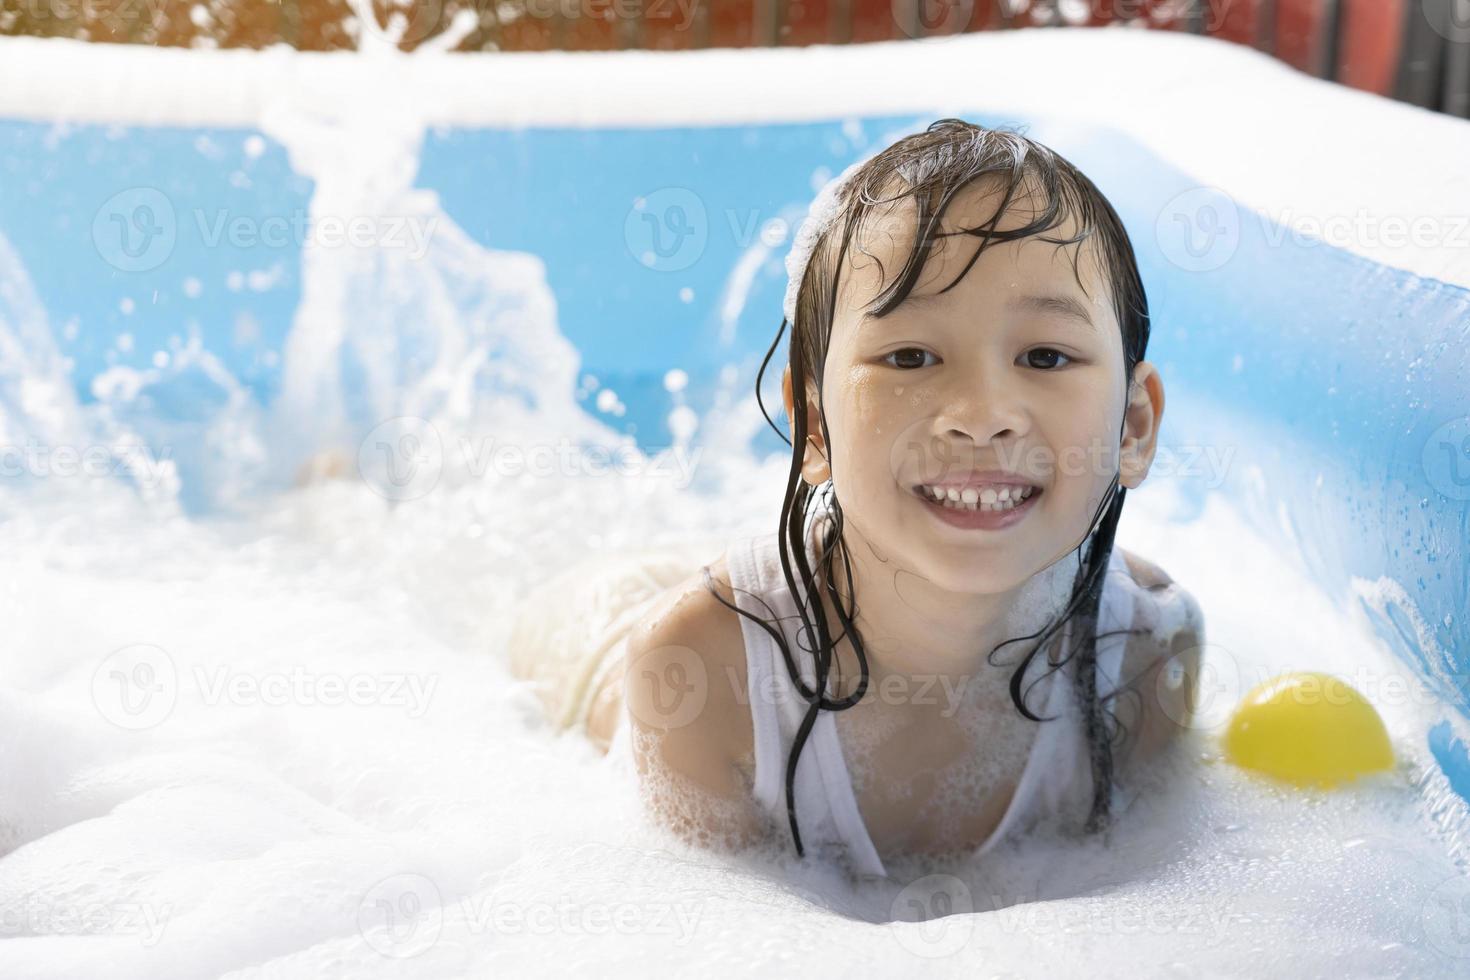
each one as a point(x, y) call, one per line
point(895, 219)
point(886, 237)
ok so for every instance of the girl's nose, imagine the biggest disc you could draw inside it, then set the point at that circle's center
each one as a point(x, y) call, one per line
point(983, 409)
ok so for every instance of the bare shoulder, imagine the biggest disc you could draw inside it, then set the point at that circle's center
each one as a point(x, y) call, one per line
point(685, 668)
point(685, 691)
point(1159, 678)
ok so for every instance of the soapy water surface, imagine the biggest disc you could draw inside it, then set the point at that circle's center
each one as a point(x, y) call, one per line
point(287, 745)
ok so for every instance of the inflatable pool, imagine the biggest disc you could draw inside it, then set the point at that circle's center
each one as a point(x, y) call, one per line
point(252, 719)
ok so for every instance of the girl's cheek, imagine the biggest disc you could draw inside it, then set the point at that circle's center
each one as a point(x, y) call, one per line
point(862, 393)
point(1090, 456)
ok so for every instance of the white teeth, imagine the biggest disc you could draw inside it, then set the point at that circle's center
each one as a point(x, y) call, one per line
point(971, 498)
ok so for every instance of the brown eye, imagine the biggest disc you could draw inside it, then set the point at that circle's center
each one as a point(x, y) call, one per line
point(907, 356)
point(1047, 356)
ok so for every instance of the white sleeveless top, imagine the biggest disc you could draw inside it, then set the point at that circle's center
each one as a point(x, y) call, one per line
point(1057, 774)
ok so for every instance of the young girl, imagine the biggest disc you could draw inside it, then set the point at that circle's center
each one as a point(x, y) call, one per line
point(939, 645)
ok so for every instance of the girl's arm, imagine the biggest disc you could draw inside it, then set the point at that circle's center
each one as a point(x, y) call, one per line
point(690, 719)
point(1161, 665)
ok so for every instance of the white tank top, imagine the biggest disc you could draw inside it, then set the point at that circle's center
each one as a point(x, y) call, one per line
point(1056, 778)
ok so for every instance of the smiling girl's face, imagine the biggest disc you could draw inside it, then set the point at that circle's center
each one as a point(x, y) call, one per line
point(1016, 368)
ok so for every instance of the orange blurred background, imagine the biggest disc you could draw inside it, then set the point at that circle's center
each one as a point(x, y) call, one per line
point(1415, 50)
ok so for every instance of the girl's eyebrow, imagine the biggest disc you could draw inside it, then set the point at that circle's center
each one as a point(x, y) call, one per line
point(910, 301)
point(1066, 307)
point(1049, 304)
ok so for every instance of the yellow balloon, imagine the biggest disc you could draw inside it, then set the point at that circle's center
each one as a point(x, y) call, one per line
point(1309, 729)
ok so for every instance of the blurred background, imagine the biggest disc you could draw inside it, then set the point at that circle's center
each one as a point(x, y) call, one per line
point(1412, 50)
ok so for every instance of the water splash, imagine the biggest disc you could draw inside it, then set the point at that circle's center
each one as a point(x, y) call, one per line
point(48, 439)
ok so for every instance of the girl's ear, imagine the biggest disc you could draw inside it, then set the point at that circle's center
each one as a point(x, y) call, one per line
point(815, 469)
point(1141, 424)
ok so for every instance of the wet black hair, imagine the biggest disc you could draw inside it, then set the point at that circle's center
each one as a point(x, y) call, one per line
point(933, 167)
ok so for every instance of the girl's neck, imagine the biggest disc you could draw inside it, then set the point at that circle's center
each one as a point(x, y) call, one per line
point(917, 634)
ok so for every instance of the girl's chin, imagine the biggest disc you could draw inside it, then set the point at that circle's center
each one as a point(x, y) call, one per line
point(977, 571)
point(977, 585)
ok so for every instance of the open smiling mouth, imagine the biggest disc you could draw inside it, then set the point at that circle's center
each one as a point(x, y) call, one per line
point(986, 508)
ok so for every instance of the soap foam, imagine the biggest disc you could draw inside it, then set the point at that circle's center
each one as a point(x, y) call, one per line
point(251, 837)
